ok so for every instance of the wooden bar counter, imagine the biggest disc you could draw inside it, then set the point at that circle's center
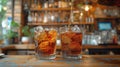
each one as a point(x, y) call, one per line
point(31, 47)
point(86, 61)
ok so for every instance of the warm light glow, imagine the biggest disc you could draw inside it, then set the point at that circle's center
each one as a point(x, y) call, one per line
point(45, 19)
point(52, 18)
point(81, 14)
point(87, 7)
point(58, 42)
point(5, 8)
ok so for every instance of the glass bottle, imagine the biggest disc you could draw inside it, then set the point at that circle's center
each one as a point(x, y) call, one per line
point(52, 17)
point(69, 3)
point(33, 5)
point(59, 3)
point(55, 4)
point(45, 20)
point(29, 17)
point(34, 17)
point(51, 3)
point(39, 5)
point(45, 3)
point(39, 18)
point(114, 36)
point(26, 6)
point(81, 17)
point(49, 14)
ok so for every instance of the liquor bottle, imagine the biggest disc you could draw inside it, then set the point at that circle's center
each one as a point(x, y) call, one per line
point(50, 3)
point(90, 19)
point(36, 17)
point(53, 17)
point(29, 17)
point(55, 4)
point(39, 18)
point(114, 36)
point(58, 16)
point(65, 4)
point(33, 4)
point(81, 17)
point(69, 3)
point(39, 5)
point(26, 7)
point(45, 19)
point(45, 3)
point(59, 3)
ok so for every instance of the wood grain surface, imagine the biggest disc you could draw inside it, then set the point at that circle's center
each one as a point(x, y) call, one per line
point(86, 61)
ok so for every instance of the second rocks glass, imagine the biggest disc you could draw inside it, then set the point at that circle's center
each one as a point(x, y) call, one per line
point(71, 42)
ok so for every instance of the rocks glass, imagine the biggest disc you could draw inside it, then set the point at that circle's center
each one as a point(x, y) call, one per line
point(45, 43)
point(71, 42)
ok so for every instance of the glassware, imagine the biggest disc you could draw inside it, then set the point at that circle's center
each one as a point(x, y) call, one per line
point(51, 3)
point(29, 17)
point(52, 17)
point(81, 17)
point(45, 42)
point(39, 4)
point(33, 5)
point(46, 4)
point(39, 18)
point(45, 19)
point(59, 3)
point(71, 41)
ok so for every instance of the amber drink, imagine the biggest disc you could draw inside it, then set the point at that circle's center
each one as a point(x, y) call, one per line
point(71, 43)
point(46, 44)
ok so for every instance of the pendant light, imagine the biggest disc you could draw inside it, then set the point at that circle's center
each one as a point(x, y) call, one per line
point(87, 5)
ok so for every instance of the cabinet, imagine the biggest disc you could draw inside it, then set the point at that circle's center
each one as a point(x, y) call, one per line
point(107, 14)
point(50, 13)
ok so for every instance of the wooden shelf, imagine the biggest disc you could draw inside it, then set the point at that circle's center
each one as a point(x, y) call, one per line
point(50, 9)
point(54, 24)
point(106, 17)
point(101, 47)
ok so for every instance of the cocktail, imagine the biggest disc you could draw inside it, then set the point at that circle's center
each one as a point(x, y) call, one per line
point(71, 42)
point(46, 44)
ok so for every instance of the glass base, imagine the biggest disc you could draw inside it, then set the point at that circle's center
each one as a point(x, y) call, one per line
point(70, 57)
point(46, 57)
